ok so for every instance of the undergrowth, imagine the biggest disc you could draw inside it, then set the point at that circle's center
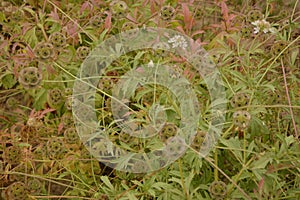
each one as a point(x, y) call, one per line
point(255, 46)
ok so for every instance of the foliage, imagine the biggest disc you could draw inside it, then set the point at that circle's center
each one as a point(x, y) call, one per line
point(255, 46)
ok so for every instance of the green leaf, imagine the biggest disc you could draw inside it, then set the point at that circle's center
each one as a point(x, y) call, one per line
point(262, 162)
point(8, 80)
point(234, 145)
point(107, 182)
point(30, 37)
point(40, 99)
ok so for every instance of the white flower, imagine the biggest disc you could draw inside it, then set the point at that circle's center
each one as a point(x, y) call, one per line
point(264, 26)
point(151, 64)
point(178, 41)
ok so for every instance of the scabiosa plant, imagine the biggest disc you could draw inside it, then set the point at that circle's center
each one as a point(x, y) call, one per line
point(218, 190)
point(167, 13)
point(254, 15)
point(97, 20)
point(240, 99)
point(241, 119)
point(30, 77)
point(12, 155)
point(34, 186)
point(82, 52)
point(57, 39)
point(278, 48)
point(44, 51)
point(55, 98)
point(71, 136)
point(119, 8)
point(167, 131)
point(55, 148)
point(130, 26)
point(201, 141)
point(16, 191)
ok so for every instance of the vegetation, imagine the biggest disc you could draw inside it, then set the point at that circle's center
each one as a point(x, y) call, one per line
point(255, 47)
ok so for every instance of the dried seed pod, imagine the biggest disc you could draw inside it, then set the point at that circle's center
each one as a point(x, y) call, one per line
point(71, 136)
point(12, 155)
point(34, 185)
point(167, 131)
point(119, 8)
point(97, 21)
point(175, 146)
point(218, 190)
point(161, 48)
point(240, 99)
point(241, 119)
point(57, 39)
point(131, 29)
point(82, 52)
point(55, 98)
point(202, 140)
point(30, 77)
point(16, 191)
point(105, 84)
point(278, 47)
point(167, 13)
point(254, 15)
point(246, 31)
point(44, 51)
point(55, 148)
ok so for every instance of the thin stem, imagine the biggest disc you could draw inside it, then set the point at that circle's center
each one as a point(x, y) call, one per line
point(289, 100)
point(245, 146)
point(182, 180)
point(216, 172)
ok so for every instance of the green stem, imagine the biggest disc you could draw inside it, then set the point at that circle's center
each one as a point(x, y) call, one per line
point(216, 172)
point(245, 147)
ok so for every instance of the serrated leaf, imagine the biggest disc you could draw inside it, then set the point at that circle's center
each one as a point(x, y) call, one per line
point(234, 145)
point(30, 37)
point(40, 99)
point(261, 163)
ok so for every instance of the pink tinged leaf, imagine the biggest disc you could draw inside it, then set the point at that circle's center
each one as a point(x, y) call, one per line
point(85, 6)
point(180, 29)
point(224, 10)
point(231, 17)
point(200, 42)
point(44, 112)
point(54, 15)
point(60, 127)
point(197, 32)
point(71, 28)
point(145, 3)
point(29, 52)
point(107, 24)
point(26, 27)
point(152, 7)
point(32, 113)
point(261, 185)
point(131, 18)
point(187, 17)
point(178, 59)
